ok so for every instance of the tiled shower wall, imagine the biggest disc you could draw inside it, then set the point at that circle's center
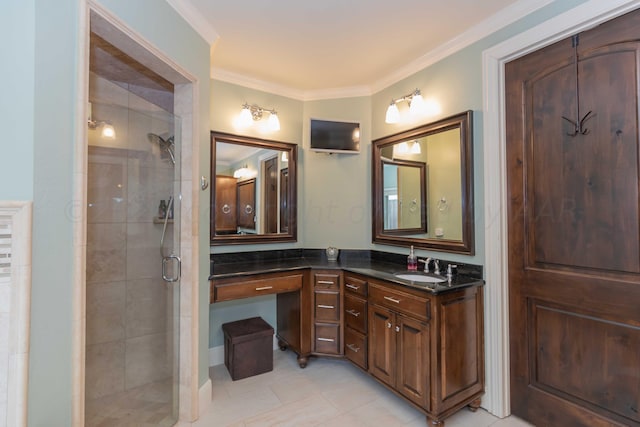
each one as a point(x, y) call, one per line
point(129, 306)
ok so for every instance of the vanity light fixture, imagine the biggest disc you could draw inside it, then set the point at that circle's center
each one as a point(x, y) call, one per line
point(251, 113)
point(416, 106)
point(407, 148)
point(243, 173)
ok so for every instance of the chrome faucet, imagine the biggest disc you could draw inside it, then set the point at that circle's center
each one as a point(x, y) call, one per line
point(426, 264)
point(436, 267)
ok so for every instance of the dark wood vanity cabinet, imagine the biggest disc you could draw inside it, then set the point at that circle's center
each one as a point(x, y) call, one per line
point(226, 208)
point(355, 319)
point(327, 312)
point(428, 348)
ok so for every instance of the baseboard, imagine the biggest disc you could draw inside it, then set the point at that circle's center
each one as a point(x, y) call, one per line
point(204, 397)
point(216, 354)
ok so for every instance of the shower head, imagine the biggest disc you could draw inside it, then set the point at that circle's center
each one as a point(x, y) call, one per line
point(166, 145)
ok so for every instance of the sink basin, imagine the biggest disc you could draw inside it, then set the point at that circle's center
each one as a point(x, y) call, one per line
point(422, 278)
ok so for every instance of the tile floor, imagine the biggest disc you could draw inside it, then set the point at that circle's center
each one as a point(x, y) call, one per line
point(327, 393)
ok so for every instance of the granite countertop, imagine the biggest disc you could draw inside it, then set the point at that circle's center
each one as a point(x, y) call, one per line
point(375, 268)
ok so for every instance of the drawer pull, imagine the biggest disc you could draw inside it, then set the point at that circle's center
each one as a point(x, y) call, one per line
point(353, 348)
point(353, 313)
point(353, 287)
point(397, 301)
point(326, 339)
point(325, 282)
point(264, 288)
point(326, 306)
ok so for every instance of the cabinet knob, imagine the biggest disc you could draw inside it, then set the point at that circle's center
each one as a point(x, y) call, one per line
point(397, 328)
point(389, 325)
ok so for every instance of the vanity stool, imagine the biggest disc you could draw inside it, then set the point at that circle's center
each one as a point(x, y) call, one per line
point(248, 347)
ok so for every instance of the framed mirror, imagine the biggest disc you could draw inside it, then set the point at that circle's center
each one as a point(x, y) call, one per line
point(425, 176)
point(253, 194)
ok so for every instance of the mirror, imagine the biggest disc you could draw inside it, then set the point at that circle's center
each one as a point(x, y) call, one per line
point(422, 188)
point(253, 195)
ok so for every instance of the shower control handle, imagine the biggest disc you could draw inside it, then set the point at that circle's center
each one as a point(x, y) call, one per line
point(177, 270)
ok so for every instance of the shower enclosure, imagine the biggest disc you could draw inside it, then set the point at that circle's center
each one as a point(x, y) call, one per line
point(133, 264)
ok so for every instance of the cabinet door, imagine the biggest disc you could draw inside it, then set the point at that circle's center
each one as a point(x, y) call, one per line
point(382, 344)
point(412, 361)
point(247, 204)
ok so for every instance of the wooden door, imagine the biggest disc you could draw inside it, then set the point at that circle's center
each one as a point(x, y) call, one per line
point(574, 256)
point(284, 200)
point(382, 344)
point(412, 359)
point(226, 221)
point(271, 195)
point(246, 192)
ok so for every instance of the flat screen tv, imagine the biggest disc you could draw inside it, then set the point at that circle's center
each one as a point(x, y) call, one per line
point(335, 137)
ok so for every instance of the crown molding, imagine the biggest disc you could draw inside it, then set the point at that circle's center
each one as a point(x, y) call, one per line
point(194, 18)
point(483, 29)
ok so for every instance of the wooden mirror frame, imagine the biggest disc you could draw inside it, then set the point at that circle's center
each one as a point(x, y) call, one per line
point(422, 172)
point(463, 121)
point(291, 235)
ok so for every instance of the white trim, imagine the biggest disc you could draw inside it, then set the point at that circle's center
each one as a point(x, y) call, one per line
point(194, 18)
point(580, 18)
point(19, 315)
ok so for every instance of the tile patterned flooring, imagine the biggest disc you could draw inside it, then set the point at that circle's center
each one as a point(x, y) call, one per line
point(327, 393)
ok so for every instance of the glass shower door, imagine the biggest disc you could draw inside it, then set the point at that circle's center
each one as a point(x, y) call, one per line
point(133, 270)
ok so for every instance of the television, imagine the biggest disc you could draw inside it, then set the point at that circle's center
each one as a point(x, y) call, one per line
point(335, 137)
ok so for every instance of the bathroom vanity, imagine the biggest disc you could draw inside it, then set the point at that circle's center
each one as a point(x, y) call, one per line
point(423, 341)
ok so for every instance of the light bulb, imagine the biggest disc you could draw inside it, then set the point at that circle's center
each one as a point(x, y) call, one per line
point(108, 131)
point(393, 114)
point(417, 104)
point(273, 123)
point(245, 119)
point(415, 148)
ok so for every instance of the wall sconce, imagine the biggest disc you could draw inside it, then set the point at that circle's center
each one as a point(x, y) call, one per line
point(251, 113)
point(416, 106)
point(406, 148)
point(243, 172)
point(108, 131)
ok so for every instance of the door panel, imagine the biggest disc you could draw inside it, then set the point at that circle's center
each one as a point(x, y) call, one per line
point(413, 359)
point(574, 227)
point(382, 344)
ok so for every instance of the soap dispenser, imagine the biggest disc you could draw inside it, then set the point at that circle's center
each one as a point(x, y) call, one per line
point(412, 261)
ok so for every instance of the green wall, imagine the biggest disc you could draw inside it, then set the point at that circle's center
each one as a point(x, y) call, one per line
point(16, 102)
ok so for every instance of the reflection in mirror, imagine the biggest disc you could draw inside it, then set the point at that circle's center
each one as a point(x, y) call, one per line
point(253, 198)
point(404, 196)
point(434, 211)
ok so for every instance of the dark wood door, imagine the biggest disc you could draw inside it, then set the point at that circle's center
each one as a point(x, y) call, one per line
point(412, 359)
point(382, 344)
point(226, 220)
point(271, 195)
point(246, 191)
point(574, 256)
point(284, 200)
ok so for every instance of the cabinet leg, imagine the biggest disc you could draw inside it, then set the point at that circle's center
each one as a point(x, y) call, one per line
point(302, 361)
point(473, 406)
point(434, 422)
point(283, 345)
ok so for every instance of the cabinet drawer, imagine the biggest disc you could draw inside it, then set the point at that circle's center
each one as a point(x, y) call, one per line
point(327, 338)
point(355, 347)
point(399, 301)
point(355, 285)
point(327, 306)
point(355, 313)
point(326, 280)
point(245, 287)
